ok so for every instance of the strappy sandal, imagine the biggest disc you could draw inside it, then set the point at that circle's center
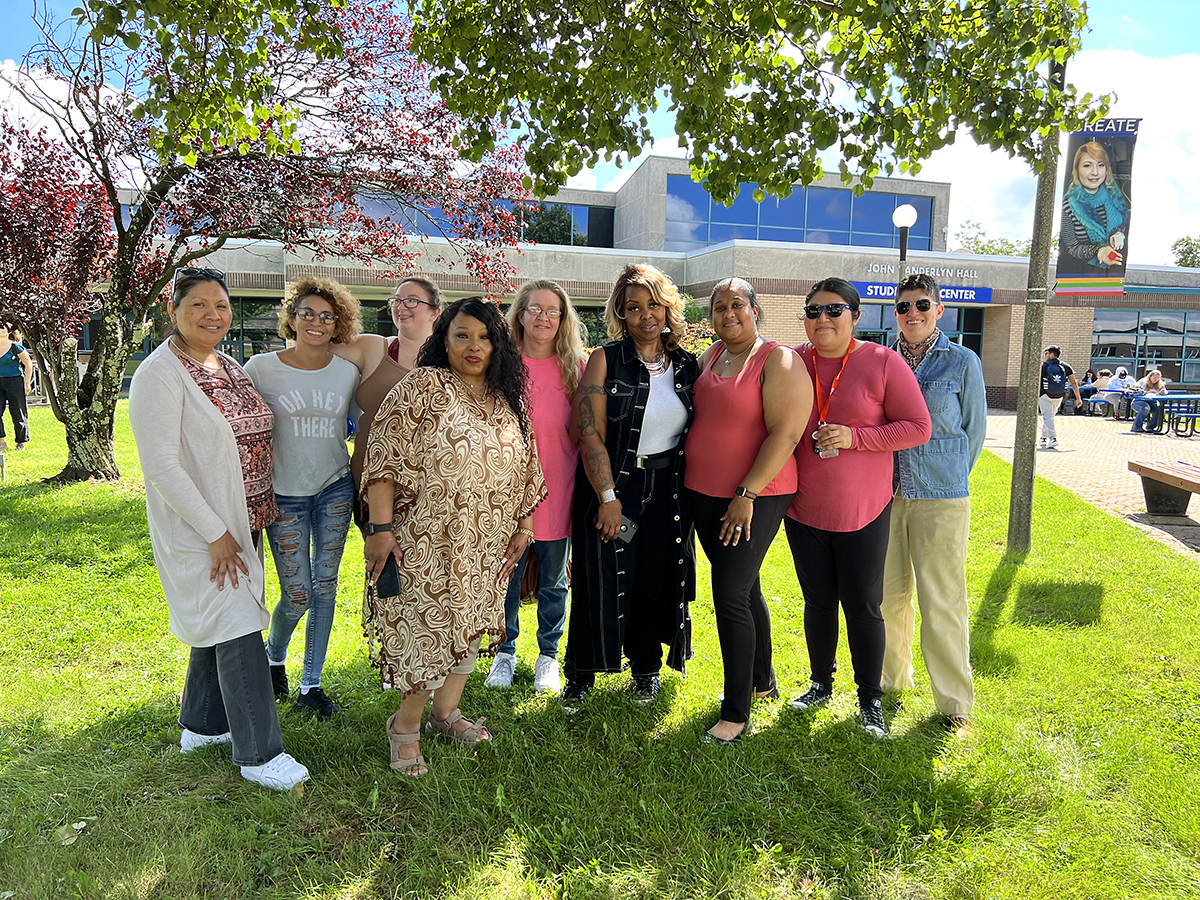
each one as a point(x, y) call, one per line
point(412, 766)
point(445, 727)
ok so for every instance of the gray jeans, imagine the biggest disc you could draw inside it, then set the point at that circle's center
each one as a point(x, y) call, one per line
point(228, 688)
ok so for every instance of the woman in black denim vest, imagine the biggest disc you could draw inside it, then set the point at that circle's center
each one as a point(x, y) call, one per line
point(633, 562)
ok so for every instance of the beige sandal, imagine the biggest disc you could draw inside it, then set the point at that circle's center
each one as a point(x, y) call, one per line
point(412, 766)
point(445, 727)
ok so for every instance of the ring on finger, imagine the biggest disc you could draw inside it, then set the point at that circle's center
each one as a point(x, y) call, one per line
point(737, 527)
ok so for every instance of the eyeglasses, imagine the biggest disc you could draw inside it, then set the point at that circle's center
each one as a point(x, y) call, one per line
point(327, 318)
point(411, 302)
point(833, 310)
point(923, 305)
point(193, 272)
point(536, 311)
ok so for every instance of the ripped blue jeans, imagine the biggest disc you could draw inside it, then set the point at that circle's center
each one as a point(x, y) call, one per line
point(307, 543)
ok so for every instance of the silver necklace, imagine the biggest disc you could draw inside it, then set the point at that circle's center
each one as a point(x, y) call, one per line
point(477, 397)
point(656, 365)
point(205, 366)
point(730, 360)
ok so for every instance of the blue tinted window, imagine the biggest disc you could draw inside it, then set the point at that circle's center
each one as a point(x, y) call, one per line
point(681, 246)
point(871, 315)
point(828, 209)
point(873, 212)
point(687, 231)
point(579, 223)
point(743, 212)
point(917, 243)
point(791, 235)
point(719, 233)
point(1115, 320)
point(924, 208)
point(686, 200)
point(827, 237)
point(872, 240)
point(785, 213)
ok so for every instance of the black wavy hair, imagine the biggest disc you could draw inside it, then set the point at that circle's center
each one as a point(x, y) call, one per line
point(506, 372)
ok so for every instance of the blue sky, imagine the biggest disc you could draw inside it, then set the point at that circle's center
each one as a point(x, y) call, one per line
point(1147, 52)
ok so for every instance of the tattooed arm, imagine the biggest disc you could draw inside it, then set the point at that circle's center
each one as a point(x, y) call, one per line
point(589, 426)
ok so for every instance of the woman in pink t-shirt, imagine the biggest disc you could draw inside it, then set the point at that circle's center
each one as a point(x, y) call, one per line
point(752, 402)
point(550, 336)
point(867, 405)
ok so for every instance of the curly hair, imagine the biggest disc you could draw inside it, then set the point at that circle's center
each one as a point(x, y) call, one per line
point(506, 372)
point(345, 307)
point(568, 343)
point(661, 289)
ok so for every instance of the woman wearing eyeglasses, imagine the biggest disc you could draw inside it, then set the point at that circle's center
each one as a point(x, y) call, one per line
point(309, 390)
point(867, 405)
point(634, 560)
point(382, 362)
point(204, 438)
point(550, 337)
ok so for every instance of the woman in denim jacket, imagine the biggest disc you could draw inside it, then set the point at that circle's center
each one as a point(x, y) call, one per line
point(931, 512)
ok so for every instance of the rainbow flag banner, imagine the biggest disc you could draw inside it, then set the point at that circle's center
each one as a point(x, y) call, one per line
point(1090, 285)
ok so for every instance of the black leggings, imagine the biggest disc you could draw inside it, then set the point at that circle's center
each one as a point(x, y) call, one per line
point(843, 567)
point(743, 620)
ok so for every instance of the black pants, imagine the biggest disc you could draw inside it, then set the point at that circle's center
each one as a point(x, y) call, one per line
point(228, 688)
point(12, 395)
point(847, 568)
point(743, 620)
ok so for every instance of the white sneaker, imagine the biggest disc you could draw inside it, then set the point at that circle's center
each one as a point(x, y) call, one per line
point(501, 675)
point(190, 742)
point(281, 773)
point(545, 675)
point(1052, 443)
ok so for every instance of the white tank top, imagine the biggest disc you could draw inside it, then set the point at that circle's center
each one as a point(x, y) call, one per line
point(665, 418)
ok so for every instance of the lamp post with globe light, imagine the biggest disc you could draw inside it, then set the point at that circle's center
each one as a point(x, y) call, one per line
point(904, 217)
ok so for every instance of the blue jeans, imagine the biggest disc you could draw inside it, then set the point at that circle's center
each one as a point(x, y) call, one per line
point(307, 543)
point(1142, 409)
point(551, 602)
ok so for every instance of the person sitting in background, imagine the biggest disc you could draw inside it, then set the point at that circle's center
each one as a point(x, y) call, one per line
point(1116, 388)
point(1089, 378)
point(1153, 385)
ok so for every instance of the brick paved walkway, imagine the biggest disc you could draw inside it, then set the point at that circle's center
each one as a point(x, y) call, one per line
point(1092, 460)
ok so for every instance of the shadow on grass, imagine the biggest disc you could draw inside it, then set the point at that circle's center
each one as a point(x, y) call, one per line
point(986, 657)
point(616, 801)
point(1076, 603)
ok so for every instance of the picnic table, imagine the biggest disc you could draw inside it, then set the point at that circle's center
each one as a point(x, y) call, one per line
point(1167, 486)
point(1179, 413)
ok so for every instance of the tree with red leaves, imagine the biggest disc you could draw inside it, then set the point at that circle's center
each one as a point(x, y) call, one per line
point(360, 153)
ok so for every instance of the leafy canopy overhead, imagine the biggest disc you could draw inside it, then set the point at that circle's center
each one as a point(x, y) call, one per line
point(759, 90)
point(1187, 252)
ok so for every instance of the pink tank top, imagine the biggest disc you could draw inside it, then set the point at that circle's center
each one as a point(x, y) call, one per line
point(729, 429)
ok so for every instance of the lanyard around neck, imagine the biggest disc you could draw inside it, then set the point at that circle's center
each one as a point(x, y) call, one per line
point(823, 407)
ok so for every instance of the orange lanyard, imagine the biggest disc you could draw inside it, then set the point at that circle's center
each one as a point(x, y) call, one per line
point(823, 408)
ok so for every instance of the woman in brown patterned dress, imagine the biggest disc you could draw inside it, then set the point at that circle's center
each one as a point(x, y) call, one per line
point(452, 478)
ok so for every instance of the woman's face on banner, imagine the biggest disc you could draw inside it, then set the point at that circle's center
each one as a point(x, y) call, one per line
point(1091, 173)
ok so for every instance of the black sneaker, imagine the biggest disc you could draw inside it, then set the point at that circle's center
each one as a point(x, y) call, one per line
point(574, 695)
point(279, 681)
point(645, 688)
point(816, 695)
point(317, 701)
point(873, 722)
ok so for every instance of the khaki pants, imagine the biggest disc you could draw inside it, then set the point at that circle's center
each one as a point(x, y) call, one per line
point(928, 544)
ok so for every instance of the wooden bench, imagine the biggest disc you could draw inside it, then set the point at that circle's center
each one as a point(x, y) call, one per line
point(1167, 486)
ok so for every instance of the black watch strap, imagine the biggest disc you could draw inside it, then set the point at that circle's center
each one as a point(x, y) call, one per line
point(373, 528)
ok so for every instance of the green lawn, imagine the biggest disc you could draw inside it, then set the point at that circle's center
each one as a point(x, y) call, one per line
point(1080, 779)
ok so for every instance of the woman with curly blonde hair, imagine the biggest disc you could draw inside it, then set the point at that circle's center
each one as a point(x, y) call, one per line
point(634, 560)
point(550, 337)
point(309, 390)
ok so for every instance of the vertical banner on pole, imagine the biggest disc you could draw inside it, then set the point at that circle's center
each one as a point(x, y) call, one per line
point(1093, 244)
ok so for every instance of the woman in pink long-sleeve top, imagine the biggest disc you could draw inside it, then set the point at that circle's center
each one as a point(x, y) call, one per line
point(867, 404)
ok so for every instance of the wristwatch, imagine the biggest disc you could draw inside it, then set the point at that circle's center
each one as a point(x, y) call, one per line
point(741, 491)
point(373, 528)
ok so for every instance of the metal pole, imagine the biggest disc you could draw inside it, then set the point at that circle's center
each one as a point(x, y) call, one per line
point(903, 258)
point(1020, 509)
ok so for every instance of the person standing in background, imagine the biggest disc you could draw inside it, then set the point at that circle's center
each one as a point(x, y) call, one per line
point(931, 512)
point(16, 377)
point(1056, 377)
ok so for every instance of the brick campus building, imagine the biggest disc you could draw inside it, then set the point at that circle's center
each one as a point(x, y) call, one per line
point(783, 247)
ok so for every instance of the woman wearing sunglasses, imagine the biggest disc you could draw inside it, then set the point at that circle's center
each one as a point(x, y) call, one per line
point(866, 406)
point(204, 438)
point(382, 362)
point(309, 391)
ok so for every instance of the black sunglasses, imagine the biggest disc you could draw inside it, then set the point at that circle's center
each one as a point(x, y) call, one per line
point(923, 305)
point(833, 310)
point(193, 272)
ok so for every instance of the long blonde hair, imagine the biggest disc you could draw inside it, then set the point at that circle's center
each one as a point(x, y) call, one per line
point(661, 288)
point(568, 343)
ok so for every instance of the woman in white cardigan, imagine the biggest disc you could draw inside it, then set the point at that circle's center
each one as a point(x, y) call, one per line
point(208, 497)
